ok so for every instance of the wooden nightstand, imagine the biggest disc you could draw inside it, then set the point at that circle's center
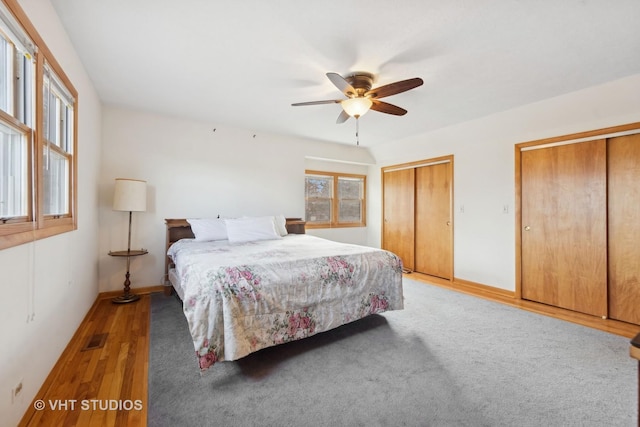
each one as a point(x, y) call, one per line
point(296, 225)
point(127, 296)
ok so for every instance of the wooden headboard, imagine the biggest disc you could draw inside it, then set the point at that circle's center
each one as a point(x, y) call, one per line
point(181, 229)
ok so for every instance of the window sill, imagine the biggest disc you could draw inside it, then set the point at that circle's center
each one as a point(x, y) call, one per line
point(318, 226)
point(15, 236)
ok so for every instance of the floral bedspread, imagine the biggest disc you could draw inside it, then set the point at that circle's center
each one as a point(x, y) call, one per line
point(239, 298)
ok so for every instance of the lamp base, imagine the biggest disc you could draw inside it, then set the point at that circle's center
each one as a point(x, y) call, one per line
point(125, 298)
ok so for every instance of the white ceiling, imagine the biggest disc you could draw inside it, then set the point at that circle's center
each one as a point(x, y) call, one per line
point(242, 63)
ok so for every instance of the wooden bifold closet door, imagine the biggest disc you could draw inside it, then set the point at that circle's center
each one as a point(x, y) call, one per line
point(398, 207)
point(417, 219)
point(433, 243)
point(624, 228)
point(564, 219)
point(580, 219)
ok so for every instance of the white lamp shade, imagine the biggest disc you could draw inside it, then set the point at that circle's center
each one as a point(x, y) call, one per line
point(130, 195)
point(356, 107)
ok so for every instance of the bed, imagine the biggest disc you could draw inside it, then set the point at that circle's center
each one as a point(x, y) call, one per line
point(243, 294)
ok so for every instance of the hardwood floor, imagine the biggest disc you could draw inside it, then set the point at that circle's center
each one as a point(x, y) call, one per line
point(107, 386)
point(104, 386)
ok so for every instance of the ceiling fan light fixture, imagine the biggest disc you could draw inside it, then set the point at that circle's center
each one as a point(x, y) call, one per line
point(356, 107)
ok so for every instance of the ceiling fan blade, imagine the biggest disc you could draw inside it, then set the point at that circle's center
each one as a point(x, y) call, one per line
point(385, 107)
point(341, 84)
point(343, 117)
point(331, 101)
point(394, 88)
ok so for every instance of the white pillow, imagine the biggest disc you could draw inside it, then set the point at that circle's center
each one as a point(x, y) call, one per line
point(279, 221)
point(251, 229)
point(206, 229)
point(281, 224)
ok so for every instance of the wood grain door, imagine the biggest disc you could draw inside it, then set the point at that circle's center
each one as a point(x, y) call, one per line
point(433, 229)
point(624, 228)
point(564, 219)
point(398, 190)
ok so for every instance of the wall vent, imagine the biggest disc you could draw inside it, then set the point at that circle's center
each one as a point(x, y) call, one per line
point(95, 341)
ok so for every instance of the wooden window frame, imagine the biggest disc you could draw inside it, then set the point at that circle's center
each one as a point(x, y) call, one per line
point(335, 205)
point(36, 225)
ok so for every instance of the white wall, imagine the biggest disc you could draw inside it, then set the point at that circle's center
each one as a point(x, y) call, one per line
point(484, 170)
point(49, 285)
point(192, 171)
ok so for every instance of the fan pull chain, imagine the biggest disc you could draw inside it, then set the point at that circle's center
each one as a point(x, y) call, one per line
point(357, 131)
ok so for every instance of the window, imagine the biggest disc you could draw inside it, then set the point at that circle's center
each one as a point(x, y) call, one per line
point(57, 145)
point(334, 200)
point(37, 135)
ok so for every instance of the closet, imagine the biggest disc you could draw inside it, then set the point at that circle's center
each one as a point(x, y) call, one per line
point(417, 200)
point(580, 223)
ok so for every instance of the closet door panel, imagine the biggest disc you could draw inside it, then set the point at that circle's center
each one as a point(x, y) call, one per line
point(564, 219)
point(398, 216)
point(433, 254)
point(624, 228)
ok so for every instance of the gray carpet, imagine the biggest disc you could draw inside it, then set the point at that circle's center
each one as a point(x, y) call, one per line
point(448, 359)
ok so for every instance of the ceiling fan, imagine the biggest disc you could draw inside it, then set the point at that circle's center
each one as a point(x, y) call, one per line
point(361, 97)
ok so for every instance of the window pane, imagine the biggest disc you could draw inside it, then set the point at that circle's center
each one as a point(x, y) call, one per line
point(56, 183)
point(64, 119)
point(318, 194)
point(318, 210)
point(24, 89)
point(319, 186)
point(6, 55)
point(46, 99)
point(14, 193)
point(16, 81)
point(350, 188)
point(350, 211)
point(58, 112)
point(350, 196)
